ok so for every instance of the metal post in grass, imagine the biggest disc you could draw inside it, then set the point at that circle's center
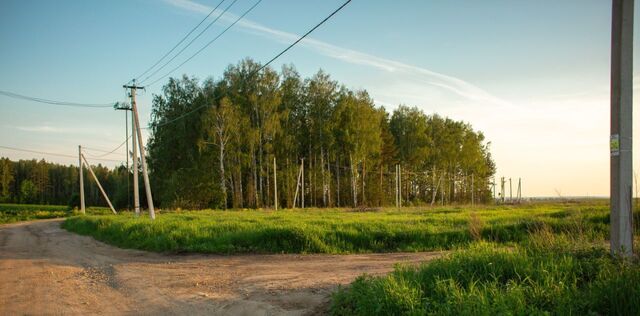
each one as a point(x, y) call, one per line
point(621, 128)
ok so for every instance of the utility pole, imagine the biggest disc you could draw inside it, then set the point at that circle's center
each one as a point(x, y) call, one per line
point(472, 193)
point(138, 138)
point(134, 157)
point(302, 192)
point(82, 208)
point(397, 184)
point(510, 191)
point(275, 184)
point(621, 128)
point(127, 108)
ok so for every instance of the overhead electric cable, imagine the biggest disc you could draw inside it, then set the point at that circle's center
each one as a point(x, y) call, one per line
point(207, 45)
point(50, 154)
point(270, 61)
point(302, 37)
point(105, 151)
point(54, 102)
point(181, 41)
point(191, 42)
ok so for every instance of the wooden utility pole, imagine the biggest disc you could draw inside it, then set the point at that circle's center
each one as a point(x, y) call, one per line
point(80, 173)
point(621, 178)
point(275, 184)
point(104, 194)
point(138, 134)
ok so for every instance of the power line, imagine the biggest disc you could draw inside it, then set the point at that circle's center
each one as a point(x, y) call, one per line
point(207, 45)
point(180, 42)
point(54, 102)
point(192, 40)
point(106, 152)
point(302, 37)
point(51, 154)
point(180, 117)
point(259, 69)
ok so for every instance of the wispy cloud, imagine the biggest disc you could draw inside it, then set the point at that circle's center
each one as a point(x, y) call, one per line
point(44, 129)
point(409, 72)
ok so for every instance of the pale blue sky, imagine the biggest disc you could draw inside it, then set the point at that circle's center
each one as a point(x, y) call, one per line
point(533, 75)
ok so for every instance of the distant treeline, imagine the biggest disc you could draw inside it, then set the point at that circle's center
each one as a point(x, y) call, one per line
point(213, 145)
point(40, 182)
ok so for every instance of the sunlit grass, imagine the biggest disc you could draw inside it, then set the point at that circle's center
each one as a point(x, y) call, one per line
point(336, 230)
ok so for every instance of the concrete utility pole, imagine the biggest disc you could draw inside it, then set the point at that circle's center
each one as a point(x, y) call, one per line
point(104, 194)
point(82, 208)
point(134, 157)
point(621, 128)
point(275, 184)
point(138, 135)
point(127, 108)
point(302, 187)
point(396, 190)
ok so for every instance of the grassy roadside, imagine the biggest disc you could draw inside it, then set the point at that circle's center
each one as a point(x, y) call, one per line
point(547, 274)
point(11, 213)
point(337, 231)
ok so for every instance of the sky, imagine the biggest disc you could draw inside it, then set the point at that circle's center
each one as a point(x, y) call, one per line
point(533, 76)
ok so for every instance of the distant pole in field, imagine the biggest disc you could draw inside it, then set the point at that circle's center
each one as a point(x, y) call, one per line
point(510, 191)
point(494, 188)
point(502, 191)
point(295, 196)
point(399, 186)
point(472, 193)
point(621, 178)
point(145, 174)
point(302, 187)
point(104, 194)
point(519, 190)
point(80, 173)
point(275, 184)
point(396, 190)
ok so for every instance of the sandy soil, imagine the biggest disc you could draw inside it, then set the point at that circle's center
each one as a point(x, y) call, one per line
point(47, 270)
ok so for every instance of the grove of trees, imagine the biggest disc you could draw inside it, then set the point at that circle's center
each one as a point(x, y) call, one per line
point(40, 182)
point(216, 144)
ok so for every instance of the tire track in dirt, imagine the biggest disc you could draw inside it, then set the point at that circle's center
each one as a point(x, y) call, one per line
point(47, 270)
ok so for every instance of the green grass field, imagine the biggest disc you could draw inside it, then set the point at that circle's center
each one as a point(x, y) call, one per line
point(337, 231)
point(11, 213)
point(555, 275)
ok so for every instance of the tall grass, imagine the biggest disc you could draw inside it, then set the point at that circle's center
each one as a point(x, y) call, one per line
point(548, 274)
point(335, 231)
point(10, 213)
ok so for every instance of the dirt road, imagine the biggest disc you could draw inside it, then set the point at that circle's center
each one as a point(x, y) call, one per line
point(47, 270)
